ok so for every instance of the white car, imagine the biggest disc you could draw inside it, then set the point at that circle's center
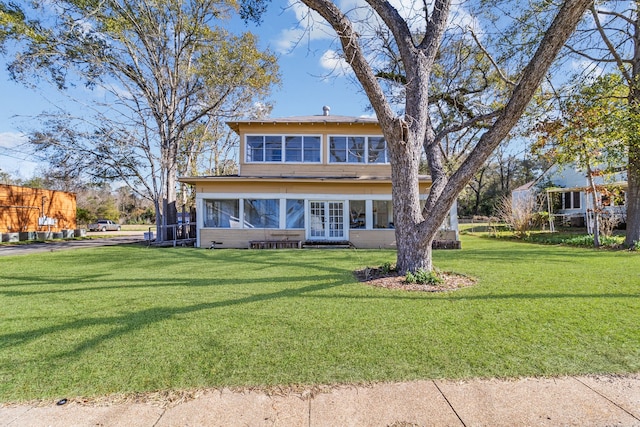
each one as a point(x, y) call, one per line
point(104, 225)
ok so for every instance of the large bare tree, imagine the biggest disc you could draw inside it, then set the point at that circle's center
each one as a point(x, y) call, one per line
point(414, 131)
point(166, 67)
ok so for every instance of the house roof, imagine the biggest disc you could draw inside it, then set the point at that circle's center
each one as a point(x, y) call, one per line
point(525, 187)
point(621, 184)
point(304, 120)
point(345, 179)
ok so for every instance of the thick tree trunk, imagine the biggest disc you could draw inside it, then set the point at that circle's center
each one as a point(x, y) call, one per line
point(158, 209)
point(633, 195)
point(415, 233)
point(413, 252)
point(171, 209)
point(633, 168)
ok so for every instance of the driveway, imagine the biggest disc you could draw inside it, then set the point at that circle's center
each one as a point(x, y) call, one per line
point(109, 239)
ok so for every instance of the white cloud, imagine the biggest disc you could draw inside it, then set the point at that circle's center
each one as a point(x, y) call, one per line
point(335, 63)
point(587, 68)
point(12, 139)
point(461, 18)
point(310, 27)
point(288, 40)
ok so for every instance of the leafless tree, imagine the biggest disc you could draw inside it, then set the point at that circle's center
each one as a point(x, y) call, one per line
point(164, 68)
point(416, 129)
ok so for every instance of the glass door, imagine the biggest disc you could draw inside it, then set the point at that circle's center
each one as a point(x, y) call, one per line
point(326, 220)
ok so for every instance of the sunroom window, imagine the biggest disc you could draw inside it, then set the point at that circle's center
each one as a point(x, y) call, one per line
point(377, 150)
point(262, 213)
point(255, 149)
point(383, 214)
point(221, 213)
point(302, 149)
point(357, 149)
point(273, 149)
point(295, 213)
point(347, 149)
point(279, 148)
point(357, 214)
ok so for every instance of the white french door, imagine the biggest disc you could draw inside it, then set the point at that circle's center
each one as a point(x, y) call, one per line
point(326, 220)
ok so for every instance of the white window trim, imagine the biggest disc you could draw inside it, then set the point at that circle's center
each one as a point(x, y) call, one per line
point(284, 154)
point(306, 197)
point(334, 199)
point(366, 149)
point(242, 219)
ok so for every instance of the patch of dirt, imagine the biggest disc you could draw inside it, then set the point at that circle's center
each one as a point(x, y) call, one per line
point(392, 280)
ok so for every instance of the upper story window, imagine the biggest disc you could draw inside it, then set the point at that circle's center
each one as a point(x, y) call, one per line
point(377, 150)
point(279, 148)
point(357, 149)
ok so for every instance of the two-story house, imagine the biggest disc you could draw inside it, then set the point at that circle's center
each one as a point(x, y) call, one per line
point(312, 179)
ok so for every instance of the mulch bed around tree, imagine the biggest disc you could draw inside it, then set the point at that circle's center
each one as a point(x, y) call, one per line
point(392, 280)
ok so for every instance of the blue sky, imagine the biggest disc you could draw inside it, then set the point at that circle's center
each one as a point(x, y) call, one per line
point(311, 78)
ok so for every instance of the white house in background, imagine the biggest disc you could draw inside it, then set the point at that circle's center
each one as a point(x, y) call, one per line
point(564, 194)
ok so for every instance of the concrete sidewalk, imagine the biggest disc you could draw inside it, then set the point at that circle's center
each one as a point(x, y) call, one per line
point(565, 401)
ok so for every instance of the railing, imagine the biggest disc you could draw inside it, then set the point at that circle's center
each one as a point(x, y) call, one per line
point(175, 233)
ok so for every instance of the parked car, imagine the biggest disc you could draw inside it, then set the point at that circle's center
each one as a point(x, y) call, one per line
point(104, 225)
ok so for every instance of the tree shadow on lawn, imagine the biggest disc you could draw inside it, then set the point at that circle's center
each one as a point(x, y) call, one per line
point(451, 297)
point(164, 262)
point(524, 254)
point(172, 276)
point(130, 322)
point(63, 286)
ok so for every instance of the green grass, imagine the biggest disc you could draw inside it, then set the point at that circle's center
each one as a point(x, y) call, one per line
point(132, 319)
point(562, 236)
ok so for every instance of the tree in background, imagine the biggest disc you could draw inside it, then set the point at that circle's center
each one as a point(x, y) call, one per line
point(590, 131)
point(504, 171)
point(97, 202)
point(211, 147)
point(5, 178)
point(164, 67)
point(416, 128)
point(466, 88)
point(133, 209)
point(606, 41)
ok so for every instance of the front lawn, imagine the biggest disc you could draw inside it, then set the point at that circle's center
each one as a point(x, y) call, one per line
point(131, 319)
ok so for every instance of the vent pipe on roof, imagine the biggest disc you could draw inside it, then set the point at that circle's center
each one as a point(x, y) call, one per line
point(325, 110)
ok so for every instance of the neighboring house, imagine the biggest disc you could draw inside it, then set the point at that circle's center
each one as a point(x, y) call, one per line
point(25, 209)
point(566, 197)
point(312, 179)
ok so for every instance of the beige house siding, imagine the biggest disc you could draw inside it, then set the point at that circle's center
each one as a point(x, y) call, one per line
point(318, 184)
point(263, 186)
point(240, 238)
point(361, 239)
point(314, 169)
point(373, 239)
point(324, 168)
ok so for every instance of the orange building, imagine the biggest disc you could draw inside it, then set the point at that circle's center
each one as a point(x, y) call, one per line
point(35, 209)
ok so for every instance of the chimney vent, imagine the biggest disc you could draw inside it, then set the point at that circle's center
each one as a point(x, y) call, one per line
point(325, 110)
